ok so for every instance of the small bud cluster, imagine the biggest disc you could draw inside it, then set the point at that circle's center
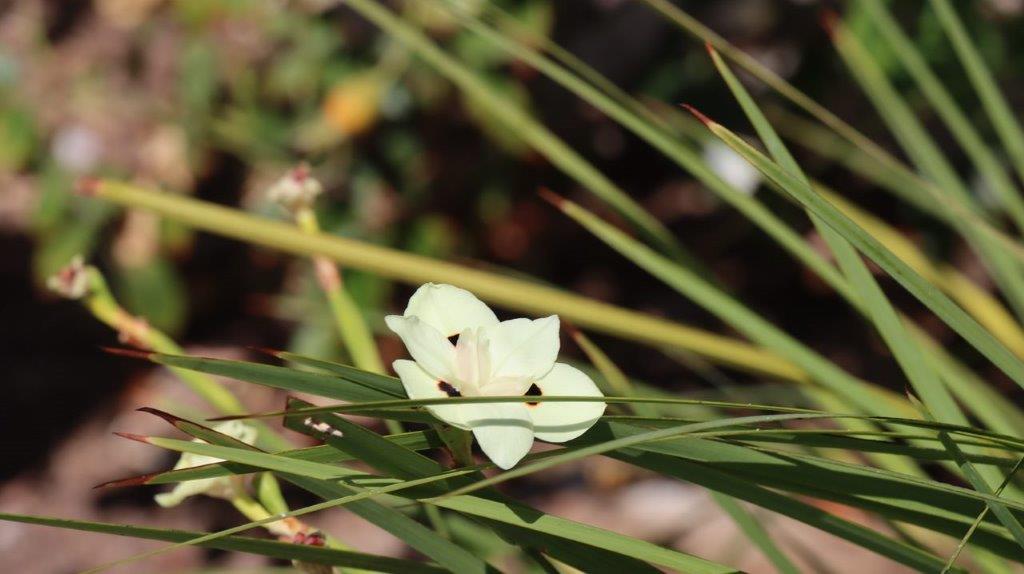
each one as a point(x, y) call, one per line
point(72, 281)
point(295, 190)
point(313, 538)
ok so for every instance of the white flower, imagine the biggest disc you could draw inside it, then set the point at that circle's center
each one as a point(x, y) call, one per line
point(219, 487)
point(491, 358)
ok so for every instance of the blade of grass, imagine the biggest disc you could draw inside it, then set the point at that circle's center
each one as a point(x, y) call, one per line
point(925, 154)
point(883, 161)
point(842, 478)
point(859, 393)
point(417, 440)
point(421, 470)
point(271, 548)
point(945, 309)
point(406, 529)
point(951, 563)
point(870, 300)
point(981, 485)
point(984, 160)
point(995, 105)
point(328, 386)
point(763, 73)
point(908, 354)
point(407, 464)
point(101, 303)
point(998, 440)
point(879, 309)
point(662, 445)
point(471, 505)
point(684, 156)
point(903, 342)
point(741, 488)
point(756, 466)
point(979, 303)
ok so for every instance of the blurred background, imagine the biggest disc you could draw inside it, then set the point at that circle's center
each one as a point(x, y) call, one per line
point(218, 98)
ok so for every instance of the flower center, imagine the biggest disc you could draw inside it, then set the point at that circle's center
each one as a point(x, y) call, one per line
point(472, 362)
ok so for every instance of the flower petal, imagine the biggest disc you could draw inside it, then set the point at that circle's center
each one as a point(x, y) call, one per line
point(560, 422)
point(428, 347)
point(183, 490)
point(449, 309)
point(523, 348)
point(504, 431)
point(420, 385)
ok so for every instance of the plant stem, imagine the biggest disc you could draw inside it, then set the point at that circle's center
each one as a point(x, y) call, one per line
point(352, 328)
point(355, 334)
point(138, 332)
point(516, 294)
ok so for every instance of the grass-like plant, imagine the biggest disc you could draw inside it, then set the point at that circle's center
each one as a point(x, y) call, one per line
point(936, 466)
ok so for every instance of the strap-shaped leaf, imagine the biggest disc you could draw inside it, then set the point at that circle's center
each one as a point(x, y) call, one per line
point(271, 548)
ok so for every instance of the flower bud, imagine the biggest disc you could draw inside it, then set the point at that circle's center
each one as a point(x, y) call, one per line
point(219, 487)
point(72, 281)
point(295, 190)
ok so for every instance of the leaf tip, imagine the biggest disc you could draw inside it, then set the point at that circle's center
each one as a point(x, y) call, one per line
point(132, 353)
point(551, 197)
point(140, 480)
point(697, 114)
point(829, 20)
point(572, 330)
point(172, 419)
point(133, 436)
point(226, 418)
point(266, 351)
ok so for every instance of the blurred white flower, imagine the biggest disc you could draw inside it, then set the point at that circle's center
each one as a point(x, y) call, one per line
point(491, 358)
point(77, 148)
point(731, 167)
point(219, 487)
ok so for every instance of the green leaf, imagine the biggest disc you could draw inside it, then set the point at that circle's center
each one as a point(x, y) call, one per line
point(271, 548)
point(322, 480)
point(711, 477)
point(404, 463)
